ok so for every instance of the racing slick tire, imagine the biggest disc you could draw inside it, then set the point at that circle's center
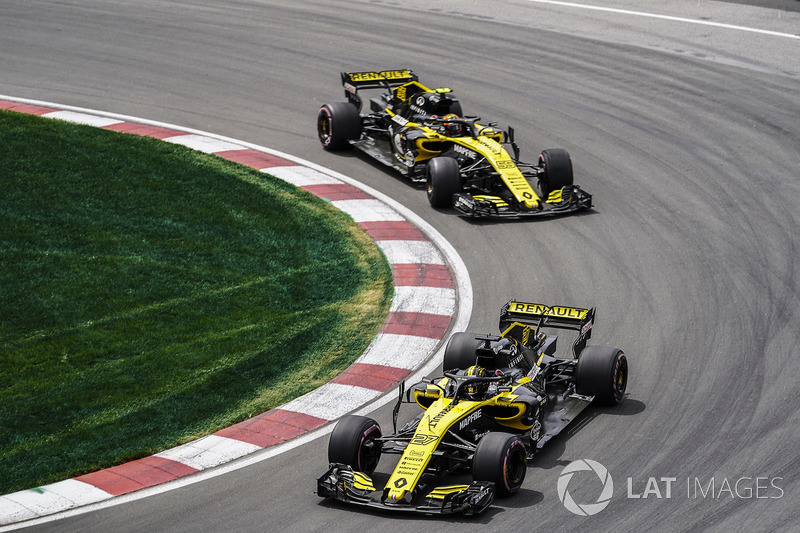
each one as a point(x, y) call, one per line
point(502, 459)
point(353, 442)
point(460, 352)
point(444, 180)
point(557, 167)
point(602, 372)
point(337, 124)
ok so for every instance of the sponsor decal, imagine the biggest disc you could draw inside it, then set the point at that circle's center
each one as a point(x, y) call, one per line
point(465, 202)
point(538, 309)
point(406, 470)
point(469, 419)
point(532, 309)
point(483, 492)
point(479, 436)
point(436, 419)
point(494, 149)
point(464, 151)
point(374, 76)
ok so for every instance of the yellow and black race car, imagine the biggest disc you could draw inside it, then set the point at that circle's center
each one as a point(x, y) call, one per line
point(501, 398)
point(423, 134)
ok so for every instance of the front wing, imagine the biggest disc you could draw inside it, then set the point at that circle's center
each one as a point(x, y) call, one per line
point(341, 483)
point(560, 202)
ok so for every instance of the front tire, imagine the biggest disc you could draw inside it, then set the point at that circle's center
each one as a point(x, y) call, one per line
point(557, 167)
point(338, 124)
point(353, 442)
point(602, 372)
point(444, 180)
point(502, 459)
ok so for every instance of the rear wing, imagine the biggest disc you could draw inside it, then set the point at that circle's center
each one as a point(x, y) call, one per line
point(531, 314)
point(385, 79)
point(377, 80)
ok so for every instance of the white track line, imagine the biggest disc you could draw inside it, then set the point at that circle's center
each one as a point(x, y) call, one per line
point(668, 17)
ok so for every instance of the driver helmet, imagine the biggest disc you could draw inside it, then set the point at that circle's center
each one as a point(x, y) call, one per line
point(452, 129)
point(476, 391)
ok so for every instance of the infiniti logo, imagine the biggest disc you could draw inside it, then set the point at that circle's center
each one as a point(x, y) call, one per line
point(585, 509)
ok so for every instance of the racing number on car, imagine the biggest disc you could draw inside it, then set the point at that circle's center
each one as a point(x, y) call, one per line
point(505, 164)
point(422, 440)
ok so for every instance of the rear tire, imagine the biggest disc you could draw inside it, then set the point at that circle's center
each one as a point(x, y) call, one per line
point(353, 442)
point(502, 459)
point(460, 352)
point(444, 180)
point(557, 167)
point(337, 124)
point(602, 372)
point(455, 108)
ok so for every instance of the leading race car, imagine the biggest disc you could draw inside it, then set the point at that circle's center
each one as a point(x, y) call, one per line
point(422, 133)
point(501, 398)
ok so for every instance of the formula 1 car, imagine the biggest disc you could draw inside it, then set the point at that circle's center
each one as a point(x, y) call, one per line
point(501, 398)
point(422, 133)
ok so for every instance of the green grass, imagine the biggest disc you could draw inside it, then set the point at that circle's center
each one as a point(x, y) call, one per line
point(151, 294)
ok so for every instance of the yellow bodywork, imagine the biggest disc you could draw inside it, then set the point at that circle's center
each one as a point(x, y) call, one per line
point(499, 158)
point(440, 416)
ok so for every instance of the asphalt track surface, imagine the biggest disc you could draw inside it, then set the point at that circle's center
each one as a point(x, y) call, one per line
point(687, 135)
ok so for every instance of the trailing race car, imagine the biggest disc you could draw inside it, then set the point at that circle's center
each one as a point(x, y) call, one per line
point(502, 397)
point(423, 134)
